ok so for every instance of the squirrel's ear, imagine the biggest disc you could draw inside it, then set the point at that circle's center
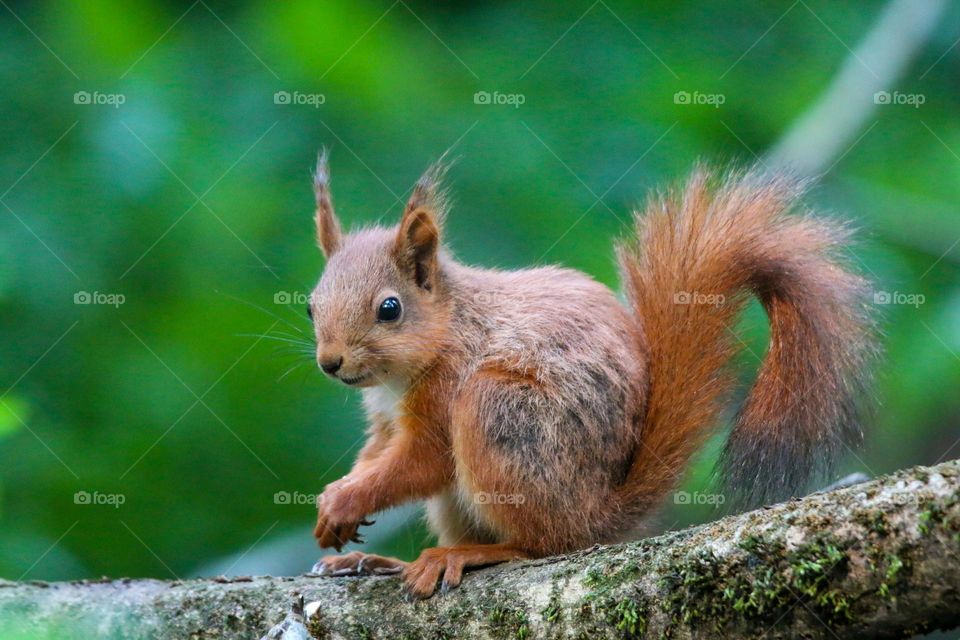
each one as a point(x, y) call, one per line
point(417, 245)
point(329, 236)
point(418, 240)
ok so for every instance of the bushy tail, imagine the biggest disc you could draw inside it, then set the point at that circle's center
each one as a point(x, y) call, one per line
point(698, 255)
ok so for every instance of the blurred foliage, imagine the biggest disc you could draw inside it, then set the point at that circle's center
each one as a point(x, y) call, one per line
point(192, 201)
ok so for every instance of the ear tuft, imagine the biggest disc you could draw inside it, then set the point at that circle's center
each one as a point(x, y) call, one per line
point(418, 239)
point(329, 235)
point(428, 192)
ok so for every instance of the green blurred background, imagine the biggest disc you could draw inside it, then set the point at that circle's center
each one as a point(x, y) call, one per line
point(165, 437)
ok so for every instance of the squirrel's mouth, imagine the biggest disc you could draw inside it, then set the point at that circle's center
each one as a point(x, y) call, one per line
point(355, 379)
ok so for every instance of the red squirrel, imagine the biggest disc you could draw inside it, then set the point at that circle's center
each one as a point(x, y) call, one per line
point(537, 414)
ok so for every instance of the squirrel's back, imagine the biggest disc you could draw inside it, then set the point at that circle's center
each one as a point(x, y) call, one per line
point(541, 313)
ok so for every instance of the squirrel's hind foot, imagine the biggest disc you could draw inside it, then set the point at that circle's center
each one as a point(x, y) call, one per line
point(357, 563)
point(420, 576)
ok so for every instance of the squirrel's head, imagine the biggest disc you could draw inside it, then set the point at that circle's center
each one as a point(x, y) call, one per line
point(379, 311)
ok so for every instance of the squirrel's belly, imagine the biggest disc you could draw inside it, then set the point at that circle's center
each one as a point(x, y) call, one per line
point(454, 518)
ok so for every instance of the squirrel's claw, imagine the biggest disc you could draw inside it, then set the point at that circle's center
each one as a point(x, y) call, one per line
point(446, 587)
point(335, 536)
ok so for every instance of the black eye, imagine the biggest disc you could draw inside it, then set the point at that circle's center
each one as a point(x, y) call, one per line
point(389, 310)
point(310, 312)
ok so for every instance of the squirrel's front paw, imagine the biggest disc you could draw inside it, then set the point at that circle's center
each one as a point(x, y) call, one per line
point(330, 534)
point(338, 517)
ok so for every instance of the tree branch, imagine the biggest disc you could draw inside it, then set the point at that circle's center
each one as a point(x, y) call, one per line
point(879, 559)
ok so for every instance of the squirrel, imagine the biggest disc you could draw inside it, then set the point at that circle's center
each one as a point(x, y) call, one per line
point(537, 414)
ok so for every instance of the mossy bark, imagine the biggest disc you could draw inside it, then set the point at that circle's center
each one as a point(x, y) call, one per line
point(880, 559)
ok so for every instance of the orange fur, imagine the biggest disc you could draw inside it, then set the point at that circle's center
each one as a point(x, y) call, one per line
point(730, 238)
point(536, 414)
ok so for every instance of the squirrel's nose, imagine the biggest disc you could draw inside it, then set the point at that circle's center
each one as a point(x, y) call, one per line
point(332, 366)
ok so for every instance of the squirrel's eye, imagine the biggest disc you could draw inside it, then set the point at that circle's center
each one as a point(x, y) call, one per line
point(389, 310)
point(310, 312)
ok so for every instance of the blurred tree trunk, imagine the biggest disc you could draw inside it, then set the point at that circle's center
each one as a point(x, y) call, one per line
point(879, 559)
